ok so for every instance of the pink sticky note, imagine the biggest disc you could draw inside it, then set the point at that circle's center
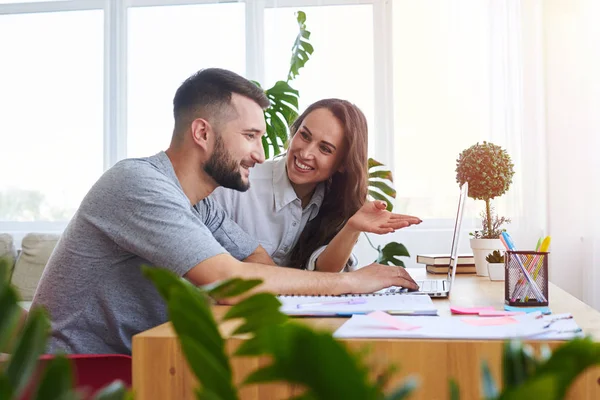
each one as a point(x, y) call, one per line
point(489, 321)
point(495, 313)
point(391, 321)
point(470, 310)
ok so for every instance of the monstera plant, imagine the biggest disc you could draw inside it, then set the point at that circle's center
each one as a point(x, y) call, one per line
point(380, 188)
point(283, 97)
point(284, 110)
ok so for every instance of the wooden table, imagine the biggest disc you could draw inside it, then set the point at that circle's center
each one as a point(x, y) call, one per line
point(160, 370)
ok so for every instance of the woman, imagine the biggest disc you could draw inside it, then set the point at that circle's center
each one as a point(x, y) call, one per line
point(315, 194)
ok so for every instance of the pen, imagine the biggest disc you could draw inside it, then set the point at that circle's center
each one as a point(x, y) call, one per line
point(536, 264)
point(335, 302)
point(544, 246)
point(538, 244)
point(553, 320)
point(412, 312)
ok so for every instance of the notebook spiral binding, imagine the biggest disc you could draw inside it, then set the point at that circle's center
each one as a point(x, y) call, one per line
point(338, 295)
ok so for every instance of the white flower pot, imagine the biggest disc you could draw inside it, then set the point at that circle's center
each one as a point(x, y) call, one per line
point(481, 248)
point(496, 271)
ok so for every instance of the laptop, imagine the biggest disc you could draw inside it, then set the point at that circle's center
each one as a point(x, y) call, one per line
point(440, 287)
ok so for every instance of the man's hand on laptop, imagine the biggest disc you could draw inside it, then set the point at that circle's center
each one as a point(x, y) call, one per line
point(374, 277)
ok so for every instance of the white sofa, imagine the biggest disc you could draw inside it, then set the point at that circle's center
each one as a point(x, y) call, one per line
point(27, 262)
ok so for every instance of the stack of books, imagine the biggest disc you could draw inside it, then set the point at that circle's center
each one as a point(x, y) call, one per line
point(439, 263)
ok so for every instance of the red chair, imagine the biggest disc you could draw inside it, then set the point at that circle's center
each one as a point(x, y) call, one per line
point(91, 371)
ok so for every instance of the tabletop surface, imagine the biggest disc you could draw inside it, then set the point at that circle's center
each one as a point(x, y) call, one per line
point(468, 291)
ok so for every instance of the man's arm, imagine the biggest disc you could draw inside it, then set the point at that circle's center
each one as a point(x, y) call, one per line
point(292, 281)
point(260, 256)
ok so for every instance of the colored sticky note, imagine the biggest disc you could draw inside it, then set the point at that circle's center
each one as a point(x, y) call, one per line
point(543, 310)
point(489, 321)
point(394, 322)
point(494, 313)
point(470, 310)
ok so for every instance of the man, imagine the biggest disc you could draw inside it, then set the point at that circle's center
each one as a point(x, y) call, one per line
point(141, 211)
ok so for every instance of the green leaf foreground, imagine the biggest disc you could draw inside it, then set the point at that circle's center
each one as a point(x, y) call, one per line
point(548, 376)
point(297, 351)
point(197, 332)
point(57, 381)
point(9, 319)
point(25, 347)
point(114, 391)
point(30, 347)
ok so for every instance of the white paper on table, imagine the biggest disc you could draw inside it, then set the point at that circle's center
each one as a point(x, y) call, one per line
point(399, 302)
point(527, 326)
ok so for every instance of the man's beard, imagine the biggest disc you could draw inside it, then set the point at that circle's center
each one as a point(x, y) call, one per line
point(223, 169)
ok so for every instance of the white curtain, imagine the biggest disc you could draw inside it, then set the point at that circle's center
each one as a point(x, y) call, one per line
point(572, 40)
point(479, 77)
point(591, 287)
point(517, 112)
point(545, 99)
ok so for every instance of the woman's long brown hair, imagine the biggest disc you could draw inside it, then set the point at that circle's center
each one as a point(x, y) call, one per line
point(345, 192)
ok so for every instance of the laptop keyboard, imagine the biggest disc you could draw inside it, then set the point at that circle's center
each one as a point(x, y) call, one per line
point(430, 286)
point(427, 286)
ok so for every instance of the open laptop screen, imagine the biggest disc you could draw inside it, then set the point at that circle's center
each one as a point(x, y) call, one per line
point(464, 191)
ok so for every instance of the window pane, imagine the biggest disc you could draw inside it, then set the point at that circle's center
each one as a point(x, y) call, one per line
point(26, 1)
point(51, 77)
point(441, 98)
point(342, 63)
point(166, 45)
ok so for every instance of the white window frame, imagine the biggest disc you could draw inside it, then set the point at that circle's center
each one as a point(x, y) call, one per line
point(115, 69)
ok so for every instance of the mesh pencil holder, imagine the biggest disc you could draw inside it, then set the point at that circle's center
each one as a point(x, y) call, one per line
point(517, 289)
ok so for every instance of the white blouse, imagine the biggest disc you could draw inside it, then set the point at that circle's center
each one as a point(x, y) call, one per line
point(271, 212)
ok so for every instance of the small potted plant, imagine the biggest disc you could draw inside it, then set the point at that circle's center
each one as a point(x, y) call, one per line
point(489, 171)
point(495, 265)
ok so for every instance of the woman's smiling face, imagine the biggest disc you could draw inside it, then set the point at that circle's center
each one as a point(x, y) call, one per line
point(316, 150)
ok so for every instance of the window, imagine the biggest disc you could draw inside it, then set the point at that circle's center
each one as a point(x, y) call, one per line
point(51, 102)
point(190, 38)
point(441, 99)
point(88, 82)
point(23, 1)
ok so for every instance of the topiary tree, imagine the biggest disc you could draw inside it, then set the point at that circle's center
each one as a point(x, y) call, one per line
point(489, 171)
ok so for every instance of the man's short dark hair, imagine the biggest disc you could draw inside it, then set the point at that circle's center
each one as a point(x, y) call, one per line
point(207, 94)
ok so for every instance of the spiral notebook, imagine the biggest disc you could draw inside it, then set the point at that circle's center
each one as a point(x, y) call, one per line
point(340, 306)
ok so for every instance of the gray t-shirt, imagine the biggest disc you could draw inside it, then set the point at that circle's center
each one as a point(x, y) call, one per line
point(137, 213)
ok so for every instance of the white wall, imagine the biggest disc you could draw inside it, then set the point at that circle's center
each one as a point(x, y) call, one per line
point(572, 65)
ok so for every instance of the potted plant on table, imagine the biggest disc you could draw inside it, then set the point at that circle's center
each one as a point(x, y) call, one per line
point(495, 264)
point(489, 171)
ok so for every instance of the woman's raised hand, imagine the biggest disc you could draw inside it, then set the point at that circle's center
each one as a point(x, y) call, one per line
point(373, 217)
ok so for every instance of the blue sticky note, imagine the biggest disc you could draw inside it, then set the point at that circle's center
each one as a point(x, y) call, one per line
point(543, 310)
